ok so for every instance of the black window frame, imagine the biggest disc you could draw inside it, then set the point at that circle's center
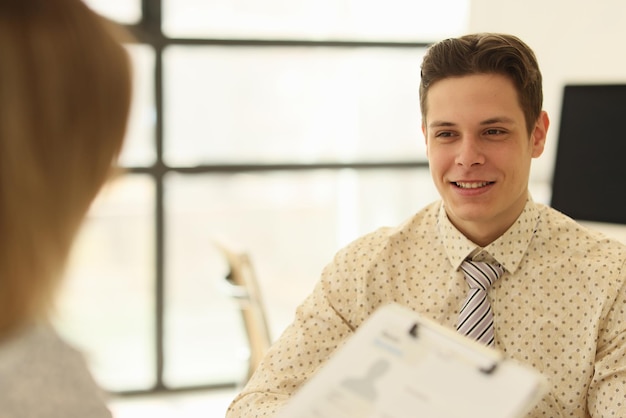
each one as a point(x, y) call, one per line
point(148, 31)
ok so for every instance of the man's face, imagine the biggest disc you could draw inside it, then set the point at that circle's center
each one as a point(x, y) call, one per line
point(480, 152)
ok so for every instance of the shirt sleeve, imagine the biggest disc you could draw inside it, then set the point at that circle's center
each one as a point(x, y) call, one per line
point(607, 391)
point(316, 332)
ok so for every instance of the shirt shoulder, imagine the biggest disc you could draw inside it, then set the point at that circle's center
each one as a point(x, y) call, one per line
point(564, 232)
point(382, 266)
point(419, 230)
point(574, 249)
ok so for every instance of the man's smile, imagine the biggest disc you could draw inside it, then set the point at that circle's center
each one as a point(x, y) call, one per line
point(472, 185)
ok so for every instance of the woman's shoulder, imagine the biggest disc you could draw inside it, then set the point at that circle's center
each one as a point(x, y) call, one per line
point(42, 375)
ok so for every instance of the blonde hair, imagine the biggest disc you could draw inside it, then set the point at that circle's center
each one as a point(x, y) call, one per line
point(64, 95)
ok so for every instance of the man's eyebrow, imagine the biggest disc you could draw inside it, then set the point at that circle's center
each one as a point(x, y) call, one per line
point(440, 123)
point(497, 119)
point(490, 121)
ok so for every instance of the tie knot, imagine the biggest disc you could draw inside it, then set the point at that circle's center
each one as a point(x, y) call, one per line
point(481, 275)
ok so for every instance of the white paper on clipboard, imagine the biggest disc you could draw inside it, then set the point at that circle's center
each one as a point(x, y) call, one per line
point(401, 365)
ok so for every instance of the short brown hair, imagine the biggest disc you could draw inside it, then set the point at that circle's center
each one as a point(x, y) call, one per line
point(486, 53)
point(65, 87)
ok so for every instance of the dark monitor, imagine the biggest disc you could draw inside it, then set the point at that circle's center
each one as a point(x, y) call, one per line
point(589, 181)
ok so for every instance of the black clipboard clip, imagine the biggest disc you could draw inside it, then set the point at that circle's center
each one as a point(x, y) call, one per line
point(489, 369)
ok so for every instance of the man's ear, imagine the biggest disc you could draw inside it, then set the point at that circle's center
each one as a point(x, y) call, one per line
point(539, 134)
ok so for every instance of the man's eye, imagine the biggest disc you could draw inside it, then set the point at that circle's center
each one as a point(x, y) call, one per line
point(495, 131)
point(443, 134)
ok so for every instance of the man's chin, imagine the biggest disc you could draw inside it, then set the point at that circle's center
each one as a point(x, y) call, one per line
point(469, 211)
point(470, 214)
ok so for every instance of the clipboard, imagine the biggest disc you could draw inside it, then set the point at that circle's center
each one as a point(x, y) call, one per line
point(401, 365)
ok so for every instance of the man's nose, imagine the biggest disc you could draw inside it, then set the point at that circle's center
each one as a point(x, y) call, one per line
point(469, 152)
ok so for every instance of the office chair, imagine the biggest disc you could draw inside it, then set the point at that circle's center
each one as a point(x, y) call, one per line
point(241, 285)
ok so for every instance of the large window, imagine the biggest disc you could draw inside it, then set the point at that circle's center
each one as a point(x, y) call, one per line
point(286, 127)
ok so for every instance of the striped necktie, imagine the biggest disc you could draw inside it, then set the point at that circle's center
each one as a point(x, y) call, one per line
point(476, 316)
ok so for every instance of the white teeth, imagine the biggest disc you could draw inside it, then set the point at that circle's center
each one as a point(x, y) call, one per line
point(471, 185)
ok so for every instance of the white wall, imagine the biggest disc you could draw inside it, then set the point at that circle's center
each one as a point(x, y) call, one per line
point(576, 41)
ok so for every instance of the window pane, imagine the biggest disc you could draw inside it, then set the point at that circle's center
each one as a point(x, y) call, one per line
point(394, 20)
point(123, 11)
point(106, 304)
point(291, 223)
point(139, 146)
point(291, 104)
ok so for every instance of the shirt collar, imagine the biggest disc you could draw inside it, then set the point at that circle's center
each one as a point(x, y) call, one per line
point(508, 250)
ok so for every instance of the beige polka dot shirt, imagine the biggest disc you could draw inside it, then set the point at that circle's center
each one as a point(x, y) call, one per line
point(559, 307)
